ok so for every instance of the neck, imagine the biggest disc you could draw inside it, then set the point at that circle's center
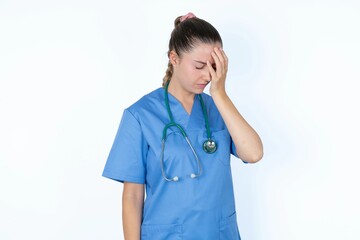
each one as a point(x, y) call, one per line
point(179, 92)
point(186, 98)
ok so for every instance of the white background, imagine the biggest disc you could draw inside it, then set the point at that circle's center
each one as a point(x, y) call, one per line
point(68, 69)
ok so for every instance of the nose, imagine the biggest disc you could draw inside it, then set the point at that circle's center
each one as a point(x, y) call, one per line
point(207, 75)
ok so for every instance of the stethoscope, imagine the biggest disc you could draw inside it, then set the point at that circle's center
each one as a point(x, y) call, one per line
point(209, 145)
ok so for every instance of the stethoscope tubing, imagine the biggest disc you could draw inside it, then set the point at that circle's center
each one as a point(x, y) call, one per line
point(172, 123)
point(176, 178)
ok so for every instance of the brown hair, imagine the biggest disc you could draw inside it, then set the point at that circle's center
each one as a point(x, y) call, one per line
point(186, 35)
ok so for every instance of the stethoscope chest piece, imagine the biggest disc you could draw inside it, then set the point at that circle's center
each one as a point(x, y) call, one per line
point(210, 146)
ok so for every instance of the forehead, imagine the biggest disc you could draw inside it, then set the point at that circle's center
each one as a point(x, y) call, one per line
point(202, 51)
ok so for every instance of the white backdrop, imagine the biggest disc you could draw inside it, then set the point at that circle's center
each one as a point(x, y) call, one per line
point(68, 68)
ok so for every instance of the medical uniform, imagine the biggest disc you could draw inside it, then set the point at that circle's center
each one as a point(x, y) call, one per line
point(191, 208)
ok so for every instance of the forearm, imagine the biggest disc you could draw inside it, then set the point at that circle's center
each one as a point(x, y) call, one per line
point(248, 143)
point(132, 207)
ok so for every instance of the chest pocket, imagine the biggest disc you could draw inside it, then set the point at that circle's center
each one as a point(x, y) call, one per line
point(223, 141)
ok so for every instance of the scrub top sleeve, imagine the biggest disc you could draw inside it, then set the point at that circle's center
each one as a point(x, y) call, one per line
point(126, 160)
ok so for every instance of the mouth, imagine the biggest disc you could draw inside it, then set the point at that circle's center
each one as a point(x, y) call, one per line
point(203, 85)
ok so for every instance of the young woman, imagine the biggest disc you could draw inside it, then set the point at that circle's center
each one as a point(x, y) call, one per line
point(176, 142)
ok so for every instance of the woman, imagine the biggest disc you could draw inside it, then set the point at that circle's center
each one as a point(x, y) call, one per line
point(176, 143)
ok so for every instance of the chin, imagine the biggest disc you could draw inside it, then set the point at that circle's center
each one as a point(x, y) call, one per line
point(198, 90)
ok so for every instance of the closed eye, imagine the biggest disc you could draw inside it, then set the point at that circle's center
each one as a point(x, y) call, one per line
point(197, 66)
point(203, 64)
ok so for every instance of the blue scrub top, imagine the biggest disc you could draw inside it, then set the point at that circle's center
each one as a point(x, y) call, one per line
point(190, 209)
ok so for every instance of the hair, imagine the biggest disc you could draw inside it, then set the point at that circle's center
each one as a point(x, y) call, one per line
point(186, 35)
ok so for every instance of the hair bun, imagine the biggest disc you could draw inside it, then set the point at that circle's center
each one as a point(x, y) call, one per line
point(180, 19)
point(177, 21)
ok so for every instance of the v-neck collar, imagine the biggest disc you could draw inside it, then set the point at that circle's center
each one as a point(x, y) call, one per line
point(178, 102)
point(181, 116)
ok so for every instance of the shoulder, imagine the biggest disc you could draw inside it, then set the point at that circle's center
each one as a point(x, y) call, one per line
point(207, 98)
point(213, 112)
point(208, 101)
point(146, 103)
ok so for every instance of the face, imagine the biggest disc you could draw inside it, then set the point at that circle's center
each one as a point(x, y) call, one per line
point(191, 74)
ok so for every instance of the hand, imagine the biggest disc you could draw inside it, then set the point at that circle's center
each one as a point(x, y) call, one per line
point(218, 76)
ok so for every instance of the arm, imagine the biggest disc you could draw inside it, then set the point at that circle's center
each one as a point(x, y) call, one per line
point(132, 208)
point(248, 143)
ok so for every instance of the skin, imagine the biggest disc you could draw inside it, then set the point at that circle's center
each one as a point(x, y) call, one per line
point(208, 63)
point(193, 71)
point(132, 206)
point(191, 74)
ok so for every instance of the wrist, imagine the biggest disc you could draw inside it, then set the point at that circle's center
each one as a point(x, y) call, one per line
point(218, 94)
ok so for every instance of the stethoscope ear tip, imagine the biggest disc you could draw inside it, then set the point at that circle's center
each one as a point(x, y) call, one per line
point(193, 175)
point(175, 179)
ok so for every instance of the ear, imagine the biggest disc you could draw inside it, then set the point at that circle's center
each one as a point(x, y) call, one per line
point(173, 57)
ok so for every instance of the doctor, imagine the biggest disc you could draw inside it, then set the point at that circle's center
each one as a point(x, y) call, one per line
point(175, 143)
